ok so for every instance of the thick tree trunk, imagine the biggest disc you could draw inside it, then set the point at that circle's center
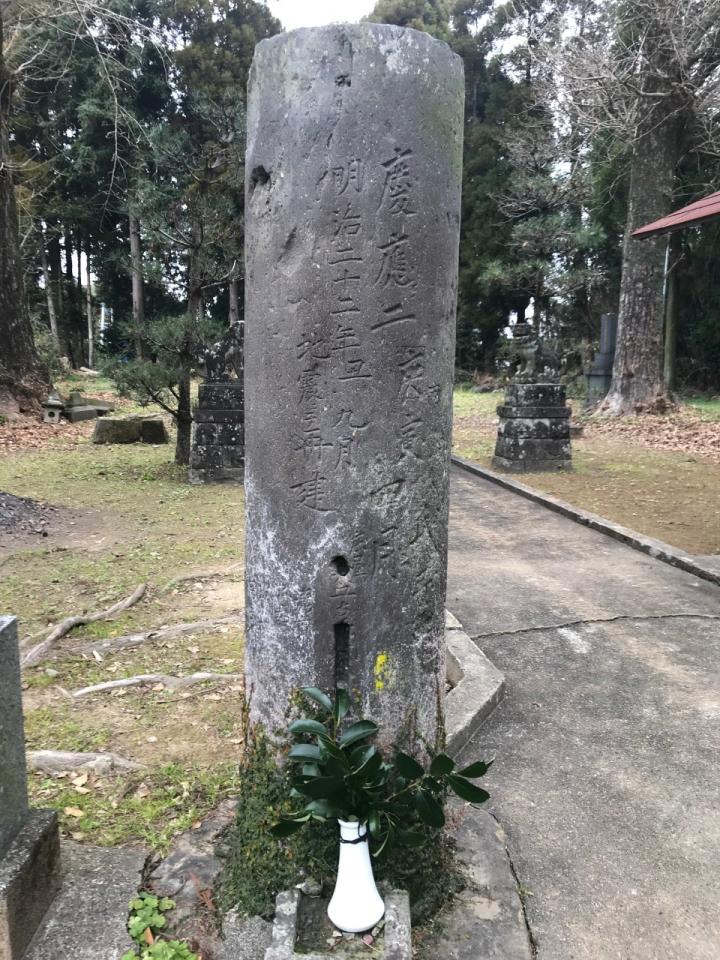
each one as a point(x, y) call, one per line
point(637, 382)
point(52, 315)
point(184, 420)
point(138, 292)
point(22, 375)
point(89, 313)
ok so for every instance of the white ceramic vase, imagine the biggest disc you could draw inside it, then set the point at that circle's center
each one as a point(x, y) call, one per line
point(356, 905)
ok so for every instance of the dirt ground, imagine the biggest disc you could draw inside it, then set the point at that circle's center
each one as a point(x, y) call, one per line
point(658, 475)
point(113, 518)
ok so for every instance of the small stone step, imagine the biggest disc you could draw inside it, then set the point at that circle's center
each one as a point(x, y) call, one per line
point(88, 920)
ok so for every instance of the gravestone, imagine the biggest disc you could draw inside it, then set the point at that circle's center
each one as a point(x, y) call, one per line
point(352, 225)
point(29, 842)
point(599, 374)
point(534, 429)
point(218, 448)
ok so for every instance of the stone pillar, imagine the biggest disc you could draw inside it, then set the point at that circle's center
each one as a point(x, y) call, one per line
point(29, 843)
point(352, 225)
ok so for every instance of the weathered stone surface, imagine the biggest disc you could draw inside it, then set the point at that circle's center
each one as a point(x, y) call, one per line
point(13, 781)
point(395, 942)
point(486, 921)
point(117, 430)
point(353, 190)
point(29, 881)
point(153, 430)
point(78, 414)
point(218, 452)
point(504, 411)
point(88, 920)
point(534, 429)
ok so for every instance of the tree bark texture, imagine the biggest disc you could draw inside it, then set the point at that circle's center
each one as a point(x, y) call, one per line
point(22, 375)
point(637, 381)
point(671, 310)
point(89, 311)
point(138, 291)
point(234, 302)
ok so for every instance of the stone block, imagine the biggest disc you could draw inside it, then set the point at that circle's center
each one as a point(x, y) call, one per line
point(521, 448)
point(395, 943)
point(216, 416)
point(230, 434)
point(29, 881)
point(535, 395)
point(153, 431)
point(531, 466)
point(117, 430)
point(548, 413)
point(221, 396)
point(205, 434)
point(13, 779)
point(76, 414)
point(531, 428)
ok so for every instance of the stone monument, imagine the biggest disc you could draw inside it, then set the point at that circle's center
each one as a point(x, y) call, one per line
point(352, 226)
point(29, 842)
point(218, 448)
point(599, 374)
point(534, 429)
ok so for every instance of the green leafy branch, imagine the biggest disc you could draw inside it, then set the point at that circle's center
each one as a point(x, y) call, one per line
point(339, 774)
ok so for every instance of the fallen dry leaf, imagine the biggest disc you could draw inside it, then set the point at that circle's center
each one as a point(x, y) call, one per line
point(74, 812)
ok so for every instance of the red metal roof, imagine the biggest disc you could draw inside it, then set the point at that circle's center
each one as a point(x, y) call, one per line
point(694, 213)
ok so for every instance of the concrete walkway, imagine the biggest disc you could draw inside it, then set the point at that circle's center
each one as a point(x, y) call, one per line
point(607, 779)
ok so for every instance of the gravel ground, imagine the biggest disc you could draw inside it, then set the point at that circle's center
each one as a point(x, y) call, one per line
point(21, 516)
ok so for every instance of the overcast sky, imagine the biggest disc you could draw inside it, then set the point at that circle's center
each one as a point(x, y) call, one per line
point(313, 13)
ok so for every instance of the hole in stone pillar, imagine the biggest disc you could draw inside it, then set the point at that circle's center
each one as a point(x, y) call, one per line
point(258, 177)
point(341, 566)
point(342, 654)
point(343, 80)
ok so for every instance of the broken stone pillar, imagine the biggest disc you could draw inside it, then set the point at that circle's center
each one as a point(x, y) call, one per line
point(29, 842)
point(352, 224)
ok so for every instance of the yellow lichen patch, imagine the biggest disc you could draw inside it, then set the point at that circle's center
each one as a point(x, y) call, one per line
point(382, 671)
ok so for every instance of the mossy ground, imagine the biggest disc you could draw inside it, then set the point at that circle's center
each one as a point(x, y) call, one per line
point(621, 470)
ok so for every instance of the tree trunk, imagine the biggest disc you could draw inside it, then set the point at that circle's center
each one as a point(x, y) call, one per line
point(138, 292)
point(637, 381)
point(671, 310)
point(23, 377)
point(89, 311)
point(234, 302)
point(52, 315)
point(184, 419)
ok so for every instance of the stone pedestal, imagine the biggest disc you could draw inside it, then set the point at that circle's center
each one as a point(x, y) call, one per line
point(534, 430)
point(29, 842)
point(218, 450)
point(352, 224)
point(599, 374)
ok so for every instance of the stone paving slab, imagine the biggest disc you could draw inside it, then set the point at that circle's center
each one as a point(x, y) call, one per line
point(88, 919)
point(608, 740)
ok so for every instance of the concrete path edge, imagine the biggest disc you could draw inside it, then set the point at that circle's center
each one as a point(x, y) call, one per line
point(653, 548)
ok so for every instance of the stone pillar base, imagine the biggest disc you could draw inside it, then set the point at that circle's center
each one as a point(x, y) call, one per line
point(534, 430)
point(29, 881)
point(218, 450)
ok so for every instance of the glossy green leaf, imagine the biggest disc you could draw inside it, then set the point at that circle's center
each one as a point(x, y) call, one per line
point(411, 838)
point(466, 790)
point(342, 704)
point(286, 828)
point(408, 767)
point(441, 765)
point(321, 788)
point(319, 697)
point(374, 823)
point(477, 769)
point(304, 751)
point(358, 731)
point(313, 727)
point(429, 809)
